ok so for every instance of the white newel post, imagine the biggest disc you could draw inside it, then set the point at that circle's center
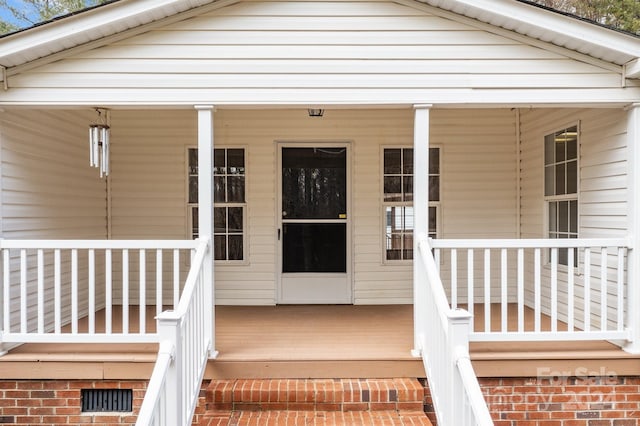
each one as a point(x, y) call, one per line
point(205, 209)
point(633, 212)
point(169, 333)
point(420, 208)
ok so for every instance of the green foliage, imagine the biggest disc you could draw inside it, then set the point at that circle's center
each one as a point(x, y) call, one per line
point(620, 14)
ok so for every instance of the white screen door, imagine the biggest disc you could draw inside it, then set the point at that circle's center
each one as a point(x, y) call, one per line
point(313, 233)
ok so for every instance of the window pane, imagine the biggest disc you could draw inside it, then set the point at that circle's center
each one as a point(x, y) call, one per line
point(235, 160)
point(407, 188)
point(408, 218)
point(193, 189)
point(194, 222)
point(573, 216)
point(392, 188)
point(193, 161)
point(394, 219)
point(549, 147)
point(407, 252)
point(220, 247)
point(434, 188)
point(407, 161)
point(434, 161)
point(549, 180)
point(392, 163)
point(560, 179)
point(572, 177)
point(219, 189)
point(235, 220)
point(572, 143)
point(219, 162)
point(560, 147)
point(235, 192)
point(394, 246)
point(235, 247)
point(220, 220)
point(553, 217)
point(563, 216)
point(433, 220)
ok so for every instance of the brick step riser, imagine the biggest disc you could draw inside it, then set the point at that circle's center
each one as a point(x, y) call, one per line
point(316, 395)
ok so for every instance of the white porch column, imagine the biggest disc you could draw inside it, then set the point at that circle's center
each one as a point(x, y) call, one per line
point(205, 207)
point(633, 220)
point(420, 200)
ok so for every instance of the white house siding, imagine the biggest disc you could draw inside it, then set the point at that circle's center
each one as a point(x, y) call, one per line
point(375, 52)
point(49, 191)
point(149, 167)
point(602, 188)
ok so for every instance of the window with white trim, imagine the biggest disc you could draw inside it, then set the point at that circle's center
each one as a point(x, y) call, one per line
point(229, 201)
point(397, 200)
point(561, 187)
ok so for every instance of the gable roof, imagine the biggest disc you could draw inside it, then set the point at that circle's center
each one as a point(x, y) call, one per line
point(119, 17)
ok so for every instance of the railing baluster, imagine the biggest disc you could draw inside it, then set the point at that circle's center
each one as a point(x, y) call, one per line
point(108, 278)
point(587, 289)
point(503, 289)
point(487, 290)
point(23, 291)
point(470, 290)
point(554, 289)
point(158, 282)
point(620, 287)
point(437, 254)
point(521, 290)
point(536, 290)
point(176, 278)
point(40, 291)
point(603, 288)
point(142, 290)
point(570, 289)
point(57, 291)
point(454, 279)
point(92, 291)
point(74, 291)
point(125, 291)
point(6, 292)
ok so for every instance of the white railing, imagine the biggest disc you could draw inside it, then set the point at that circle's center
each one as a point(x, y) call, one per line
point(442, 337)
point(538, 289)
point(66, 291)
point(186, 339)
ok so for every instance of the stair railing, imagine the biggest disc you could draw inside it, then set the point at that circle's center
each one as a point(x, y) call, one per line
point(442, 339)
point(185, 340)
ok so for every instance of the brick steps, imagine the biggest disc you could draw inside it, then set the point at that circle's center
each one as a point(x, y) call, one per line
point(315, 402)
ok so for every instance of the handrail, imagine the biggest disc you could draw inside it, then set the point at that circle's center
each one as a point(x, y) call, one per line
point(543, 277)
point(189, 335)
point(442, 334)
point(117, 274)
point(151, 411)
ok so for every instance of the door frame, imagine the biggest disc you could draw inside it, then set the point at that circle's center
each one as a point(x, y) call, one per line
point(280, 299)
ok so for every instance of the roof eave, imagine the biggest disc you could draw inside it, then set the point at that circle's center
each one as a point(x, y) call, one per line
point(559, 29)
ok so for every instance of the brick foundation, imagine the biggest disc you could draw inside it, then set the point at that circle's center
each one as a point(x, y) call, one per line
point(57, 402)
point(560, 401)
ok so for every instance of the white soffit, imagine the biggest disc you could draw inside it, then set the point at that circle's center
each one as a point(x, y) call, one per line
point(548, 26)
point(110, 19)
point(87, 26)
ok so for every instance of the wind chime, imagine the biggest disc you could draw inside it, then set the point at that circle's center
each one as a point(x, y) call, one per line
point(99, 143)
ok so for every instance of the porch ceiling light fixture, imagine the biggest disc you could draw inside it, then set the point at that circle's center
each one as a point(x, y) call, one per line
point(99, 142)
point(315, 112)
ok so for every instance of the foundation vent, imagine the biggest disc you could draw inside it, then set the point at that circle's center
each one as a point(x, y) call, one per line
point(107, 400)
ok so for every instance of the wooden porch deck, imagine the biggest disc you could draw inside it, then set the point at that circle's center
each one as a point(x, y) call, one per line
point(315, 341)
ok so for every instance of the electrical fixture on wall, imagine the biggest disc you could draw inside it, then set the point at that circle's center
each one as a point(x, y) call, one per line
point(315, 112)
point(99, 142)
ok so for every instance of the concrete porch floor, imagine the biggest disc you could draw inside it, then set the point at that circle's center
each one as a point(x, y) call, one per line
point(321, 341)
